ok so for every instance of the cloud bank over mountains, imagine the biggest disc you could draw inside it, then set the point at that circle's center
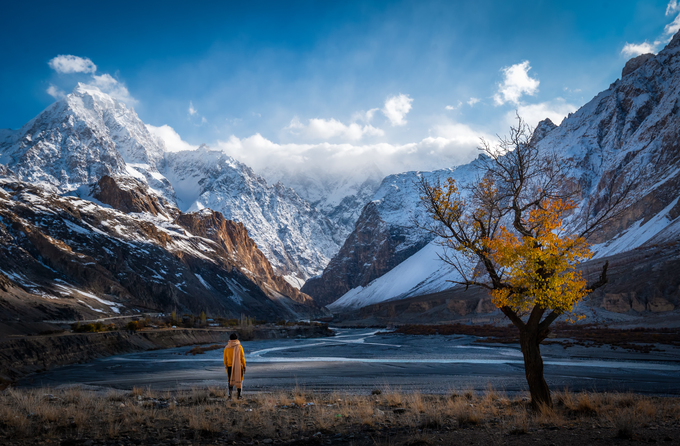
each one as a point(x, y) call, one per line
point(340, 147)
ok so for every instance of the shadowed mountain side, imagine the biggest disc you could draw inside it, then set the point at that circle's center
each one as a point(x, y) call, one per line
point(643, 288)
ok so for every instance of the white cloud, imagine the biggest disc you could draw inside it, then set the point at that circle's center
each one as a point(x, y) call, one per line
point(364, 116)
point(516, 82)
point(532, 114)
point(472, 102)
point(55, 92)
point(450, 145)
point(672, 7)
point(72, 64)
point(67, 64)
point(673, 27)
point(453, 107)
point(635, 49)
point(107, 84)
point(173, 142)
point(396, 108)
point(324, 129)
point(192, 111)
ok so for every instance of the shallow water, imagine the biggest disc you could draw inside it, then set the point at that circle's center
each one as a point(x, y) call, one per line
point(363, 360)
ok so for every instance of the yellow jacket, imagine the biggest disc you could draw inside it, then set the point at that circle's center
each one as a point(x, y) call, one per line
point(229, 356)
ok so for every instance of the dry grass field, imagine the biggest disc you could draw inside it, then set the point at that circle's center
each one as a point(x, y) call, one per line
point(75, 416)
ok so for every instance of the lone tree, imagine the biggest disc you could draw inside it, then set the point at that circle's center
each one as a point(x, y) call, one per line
point(506, 233)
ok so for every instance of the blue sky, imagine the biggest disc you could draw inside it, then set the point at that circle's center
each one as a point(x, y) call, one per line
point(406, 85)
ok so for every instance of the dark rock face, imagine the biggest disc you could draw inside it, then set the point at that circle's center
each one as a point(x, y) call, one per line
point(373, 249)
point(70, 257)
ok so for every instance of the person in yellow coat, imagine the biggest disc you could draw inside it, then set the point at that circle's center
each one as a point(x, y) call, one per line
point(235, 363)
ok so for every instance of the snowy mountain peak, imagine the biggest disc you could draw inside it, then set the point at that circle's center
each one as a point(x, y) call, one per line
point(81, 138)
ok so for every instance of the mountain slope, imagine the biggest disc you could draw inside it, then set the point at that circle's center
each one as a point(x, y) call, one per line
point(384, 235)
point(628, 133)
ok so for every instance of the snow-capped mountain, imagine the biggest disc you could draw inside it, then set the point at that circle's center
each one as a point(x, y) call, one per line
point(339, 195)
point(296, 238)
point(81, 138)
point(78, 140)
point(630, 132)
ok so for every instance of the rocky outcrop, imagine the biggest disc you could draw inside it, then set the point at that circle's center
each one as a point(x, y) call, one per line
point(5, 283)
point(374, 248)
point(635, 63)
point(130, 195)
point(644, 280)
point(541, 131)
point(233, 238)
point(442, 307)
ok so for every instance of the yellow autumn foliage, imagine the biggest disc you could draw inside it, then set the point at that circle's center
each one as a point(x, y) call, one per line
point(540, 268)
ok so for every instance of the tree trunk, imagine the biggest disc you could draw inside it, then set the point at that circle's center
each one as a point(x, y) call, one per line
point(533, 368)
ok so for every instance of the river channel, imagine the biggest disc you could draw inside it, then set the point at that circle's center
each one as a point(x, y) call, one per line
point(363, 360)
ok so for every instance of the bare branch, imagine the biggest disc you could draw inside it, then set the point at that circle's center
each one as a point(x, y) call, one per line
point(601, 281)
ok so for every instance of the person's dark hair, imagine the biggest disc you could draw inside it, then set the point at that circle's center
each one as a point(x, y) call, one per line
point(233, 336)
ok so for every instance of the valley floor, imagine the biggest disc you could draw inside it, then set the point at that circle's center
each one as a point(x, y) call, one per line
point(358, 361)
point(78, 416)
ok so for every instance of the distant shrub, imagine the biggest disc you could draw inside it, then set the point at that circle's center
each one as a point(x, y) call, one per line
point(132, 326)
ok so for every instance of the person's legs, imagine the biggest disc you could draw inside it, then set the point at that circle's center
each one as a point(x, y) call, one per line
point(229, 381)
point(238, 390)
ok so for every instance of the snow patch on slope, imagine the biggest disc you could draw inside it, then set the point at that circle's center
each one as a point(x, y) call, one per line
point(422, 273)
